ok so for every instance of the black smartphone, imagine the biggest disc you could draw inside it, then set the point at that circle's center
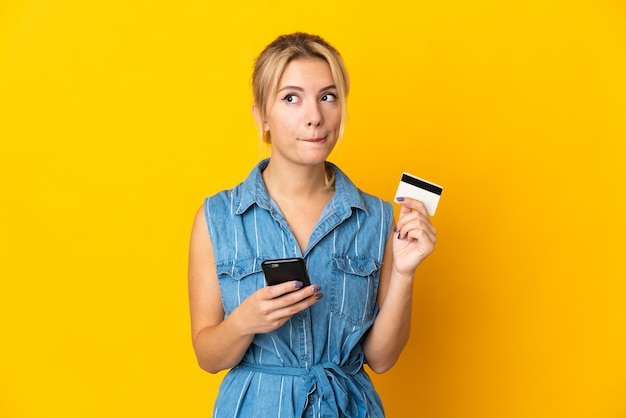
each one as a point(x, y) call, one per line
point(285, 269)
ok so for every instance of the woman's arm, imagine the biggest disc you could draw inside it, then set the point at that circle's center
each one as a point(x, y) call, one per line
point(411, 241)
point(221, 343)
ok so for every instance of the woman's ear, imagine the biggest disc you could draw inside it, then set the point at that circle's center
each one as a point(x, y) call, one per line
point(259, 119)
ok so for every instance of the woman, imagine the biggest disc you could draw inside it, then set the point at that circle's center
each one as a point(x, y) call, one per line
point(294, 350)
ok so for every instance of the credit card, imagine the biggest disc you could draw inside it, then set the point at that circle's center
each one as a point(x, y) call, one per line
point(420, 189)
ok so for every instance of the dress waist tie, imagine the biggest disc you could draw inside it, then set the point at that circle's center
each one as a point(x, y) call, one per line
point(330, 379)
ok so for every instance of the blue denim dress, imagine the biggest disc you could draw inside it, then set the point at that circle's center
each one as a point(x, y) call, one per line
point(313, 365)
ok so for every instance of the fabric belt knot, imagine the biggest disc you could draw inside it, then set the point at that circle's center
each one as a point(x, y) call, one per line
point(331, 380)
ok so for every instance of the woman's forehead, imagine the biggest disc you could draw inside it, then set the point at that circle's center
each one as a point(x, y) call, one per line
point(306, 71)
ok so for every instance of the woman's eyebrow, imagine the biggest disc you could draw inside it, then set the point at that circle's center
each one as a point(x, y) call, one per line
point(290, 88)
point(331, 87)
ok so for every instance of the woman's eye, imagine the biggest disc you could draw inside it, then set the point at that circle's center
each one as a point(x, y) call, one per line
point(328, 97)
point(291, 98)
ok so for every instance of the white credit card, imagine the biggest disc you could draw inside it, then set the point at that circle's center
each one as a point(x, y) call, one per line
point(420, 189)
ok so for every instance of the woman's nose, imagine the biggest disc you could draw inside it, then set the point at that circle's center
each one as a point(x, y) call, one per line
point(314, 116)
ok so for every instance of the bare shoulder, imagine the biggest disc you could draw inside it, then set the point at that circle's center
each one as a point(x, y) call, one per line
point(200, 247)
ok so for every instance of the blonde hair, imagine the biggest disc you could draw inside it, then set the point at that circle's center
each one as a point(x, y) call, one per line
point(271, 63)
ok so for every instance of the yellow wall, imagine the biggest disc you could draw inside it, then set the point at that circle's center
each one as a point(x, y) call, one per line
point(118, 117)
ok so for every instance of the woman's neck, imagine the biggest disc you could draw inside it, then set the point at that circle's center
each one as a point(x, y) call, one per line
point(295, 181)
point(301, 194)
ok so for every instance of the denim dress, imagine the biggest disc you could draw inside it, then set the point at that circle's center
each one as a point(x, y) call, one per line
point(312, 366)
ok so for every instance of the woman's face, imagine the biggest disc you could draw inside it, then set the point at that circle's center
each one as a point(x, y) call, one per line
point(305, 116)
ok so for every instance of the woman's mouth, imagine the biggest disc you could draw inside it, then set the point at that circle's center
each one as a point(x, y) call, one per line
point(317, 139)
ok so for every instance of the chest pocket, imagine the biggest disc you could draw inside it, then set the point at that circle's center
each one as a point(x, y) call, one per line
point(238, 279)
point(353, 292)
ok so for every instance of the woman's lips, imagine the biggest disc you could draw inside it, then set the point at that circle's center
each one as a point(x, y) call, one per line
point(315, 139)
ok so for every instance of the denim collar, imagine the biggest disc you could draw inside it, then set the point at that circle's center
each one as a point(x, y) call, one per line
point(253, 190)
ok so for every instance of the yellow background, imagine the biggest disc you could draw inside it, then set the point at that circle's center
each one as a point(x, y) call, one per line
point(118, 117)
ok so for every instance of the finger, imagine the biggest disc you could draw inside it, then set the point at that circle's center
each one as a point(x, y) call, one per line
point(417, 234)
point(295, 293)
point(409, 204)
point(280, 289)
point(414, 231)
point(416, 223)
point(415, 220)
point(290, 309)
point(421, 235)
point(424, 223)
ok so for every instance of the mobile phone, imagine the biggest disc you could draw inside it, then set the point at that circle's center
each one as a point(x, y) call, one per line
point(285, 269)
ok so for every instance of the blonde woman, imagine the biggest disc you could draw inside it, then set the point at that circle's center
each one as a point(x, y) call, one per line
point(295, 350)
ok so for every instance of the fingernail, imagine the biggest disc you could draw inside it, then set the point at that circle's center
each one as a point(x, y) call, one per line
point(298, 285)
point(317, 287)
point(319, 296)
point(400, 199)
point(398, 235)
point(395, 228)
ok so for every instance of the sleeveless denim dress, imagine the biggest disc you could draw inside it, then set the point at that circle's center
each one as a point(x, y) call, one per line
point(312, 366)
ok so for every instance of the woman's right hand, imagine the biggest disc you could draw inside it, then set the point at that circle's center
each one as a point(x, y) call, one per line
point(270, 307)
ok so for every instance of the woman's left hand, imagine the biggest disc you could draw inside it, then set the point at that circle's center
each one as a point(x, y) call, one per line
point(414, 237)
